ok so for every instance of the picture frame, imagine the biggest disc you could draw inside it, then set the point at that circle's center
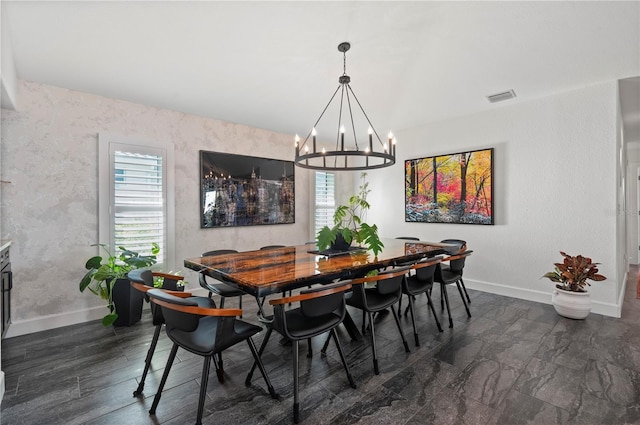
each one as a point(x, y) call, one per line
point(453, 188)
point(239, 190)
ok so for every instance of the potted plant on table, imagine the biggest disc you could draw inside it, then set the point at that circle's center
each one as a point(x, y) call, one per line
point(570, 297)
point(107, 278)
point(350, 225)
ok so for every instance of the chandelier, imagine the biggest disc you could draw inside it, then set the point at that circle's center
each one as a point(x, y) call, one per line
point(314, 155)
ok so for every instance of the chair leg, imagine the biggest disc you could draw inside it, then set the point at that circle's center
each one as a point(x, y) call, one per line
point(147, 361)
point(247, 381)
point(222, 302)
point(373, 344)
point(203, 388)
point(464, 288)
point(310, 350)
point(413, 322)
point(445, 297)
point(167, 368)
point(263, 371)
point(466, 306)
point(323, 352)
point(333, 333)
point(404, 340)
point(433, 310)
point(296, 401)
point(400, 305)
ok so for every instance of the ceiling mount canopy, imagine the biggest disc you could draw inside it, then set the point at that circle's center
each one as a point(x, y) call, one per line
point(366, 155)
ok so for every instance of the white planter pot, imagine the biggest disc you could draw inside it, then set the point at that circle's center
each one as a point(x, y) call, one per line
point(574, 305)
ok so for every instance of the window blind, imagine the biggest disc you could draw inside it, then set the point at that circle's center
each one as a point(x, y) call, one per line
point(138, 206)
point(325, 204)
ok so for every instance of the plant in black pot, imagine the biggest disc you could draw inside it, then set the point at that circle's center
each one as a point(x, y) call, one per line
point(350, 226)
point(107, 278)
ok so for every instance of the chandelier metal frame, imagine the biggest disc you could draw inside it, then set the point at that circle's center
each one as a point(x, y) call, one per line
point(308, 156)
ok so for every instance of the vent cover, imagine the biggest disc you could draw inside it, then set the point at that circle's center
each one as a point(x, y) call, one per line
point(499, 97)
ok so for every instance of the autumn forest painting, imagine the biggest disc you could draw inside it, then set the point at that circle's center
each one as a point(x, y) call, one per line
point(454, 188)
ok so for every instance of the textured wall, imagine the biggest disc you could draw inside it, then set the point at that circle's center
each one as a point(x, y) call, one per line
point(555, 189)
point(49, 152)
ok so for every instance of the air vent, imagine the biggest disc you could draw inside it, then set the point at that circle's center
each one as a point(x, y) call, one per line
point(499, 97)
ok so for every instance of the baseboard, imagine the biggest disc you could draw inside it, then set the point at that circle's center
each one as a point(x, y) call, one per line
point(52, 321)
point(606, 309)
point(1, 385)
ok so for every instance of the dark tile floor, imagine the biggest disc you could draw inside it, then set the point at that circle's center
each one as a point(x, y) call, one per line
point(514, 362)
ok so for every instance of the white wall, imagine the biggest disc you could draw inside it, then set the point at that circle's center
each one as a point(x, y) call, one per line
point(554, 189)
point(49, 152)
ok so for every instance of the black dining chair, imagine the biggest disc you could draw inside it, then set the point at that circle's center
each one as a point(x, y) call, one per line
point(459, 246)
point(222, 289)
point(142, 281)
point(204, 332)
point(450, 275)
point(421, 283)
point(321, 310)
point(386, 293)
point(408, 238)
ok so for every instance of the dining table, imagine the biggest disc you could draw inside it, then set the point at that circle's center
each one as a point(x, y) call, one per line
point(261, 273)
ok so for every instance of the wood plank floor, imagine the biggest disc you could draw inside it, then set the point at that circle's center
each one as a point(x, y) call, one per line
point(513, 362)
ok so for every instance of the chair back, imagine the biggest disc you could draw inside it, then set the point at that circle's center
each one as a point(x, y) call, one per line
point(326, 304)
point(456, 265)
point(392, 284)
point(272, 247)
point(460, 245)
point(425, 273)
point(408, 238)
point(201, 276)
point(187, 322)
point(219, 252)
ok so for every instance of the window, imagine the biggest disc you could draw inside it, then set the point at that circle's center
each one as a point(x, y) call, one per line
point(325, 200)
point(136, 197)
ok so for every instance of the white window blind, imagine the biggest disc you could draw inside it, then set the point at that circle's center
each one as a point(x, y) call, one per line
point(138, 206)
point(136, 197)
point(325, 199)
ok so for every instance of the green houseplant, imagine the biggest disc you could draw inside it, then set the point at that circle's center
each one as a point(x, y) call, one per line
point(570, 298)
point(350, 225)
point(103, 274)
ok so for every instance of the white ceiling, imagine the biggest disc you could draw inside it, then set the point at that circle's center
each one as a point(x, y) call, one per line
point(274, 65)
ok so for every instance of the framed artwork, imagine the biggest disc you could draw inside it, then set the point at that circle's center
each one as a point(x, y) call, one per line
point(238, 190)
point(452, 188)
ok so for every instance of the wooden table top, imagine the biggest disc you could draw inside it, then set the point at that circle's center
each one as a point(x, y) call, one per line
point(264, 272)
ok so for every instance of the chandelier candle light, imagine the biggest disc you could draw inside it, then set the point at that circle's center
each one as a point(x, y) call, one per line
point(345, 158)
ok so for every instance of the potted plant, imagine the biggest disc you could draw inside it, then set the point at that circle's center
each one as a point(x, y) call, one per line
point(570, 297)
point(350, 225)
point(107, 278)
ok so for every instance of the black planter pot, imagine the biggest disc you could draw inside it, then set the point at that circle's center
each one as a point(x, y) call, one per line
point(128, 303)
point(340, 244)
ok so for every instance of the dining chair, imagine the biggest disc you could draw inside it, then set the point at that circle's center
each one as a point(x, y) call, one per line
point(142, 281)
point(420, 283)
point(408, 238)
point(386, 292)
point(321, 309)
point(204, 332)
point(222, 289)
point(450, 275)
point(459, 246)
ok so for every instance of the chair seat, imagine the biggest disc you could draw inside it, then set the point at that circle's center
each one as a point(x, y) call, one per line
point(300, 326)
point(223, 289)
point(415, 286)
point(449, 277)
point(203, 340)
point(375, 301)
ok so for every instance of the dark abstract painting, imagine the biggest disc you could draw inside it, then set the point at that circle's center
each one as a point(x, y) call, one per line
point(238, 190)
